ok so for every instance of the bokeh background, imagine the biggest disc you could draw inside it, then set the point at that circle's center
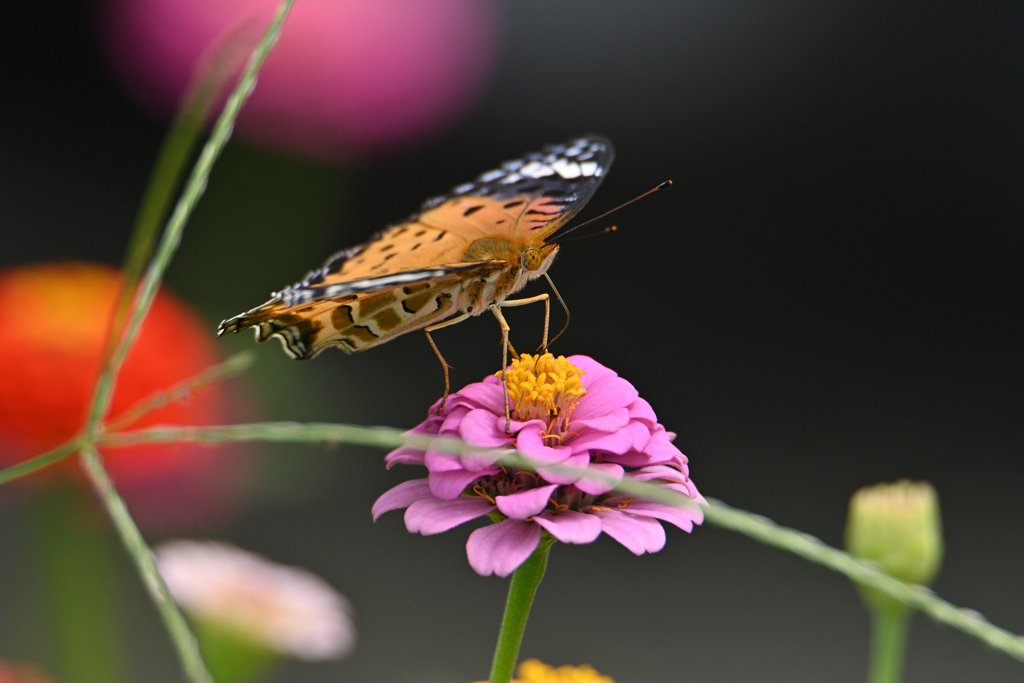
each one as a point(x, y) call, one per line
point(829, 296)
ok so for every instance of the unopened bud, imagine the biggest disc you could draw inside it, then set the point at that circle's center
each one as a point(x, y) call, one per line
point(897, 526)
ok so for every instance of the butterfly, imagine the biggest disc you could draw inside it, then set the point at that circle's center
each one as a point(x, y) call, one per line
point(463, 253)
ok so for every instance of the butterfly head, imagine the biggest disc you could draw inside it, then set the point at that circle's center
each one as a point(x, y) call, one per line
point(535, 261)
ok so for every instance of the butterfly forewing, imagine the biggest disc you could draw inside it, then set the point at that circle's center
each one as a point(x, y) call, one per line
point(458, 253)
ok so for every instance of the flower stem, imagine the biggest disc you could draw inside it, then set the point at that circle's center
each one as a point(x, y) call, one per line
point(888, 642)
point(520, 597)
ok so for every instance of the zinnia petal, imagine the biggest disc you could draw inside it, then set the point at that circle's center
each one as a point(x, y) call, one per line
point(639, 534)
point(405, 455)
point(640, 433)
point(592, 370)
point(450, 425)
point(490, 397)
point(608, 477)
point(570, 526)
point(642, 410)
point(500, 548)
point(480, 428)
point(525, 504)
point(531, 444)
point(432, 516)
point(401, 496)
point(683, 517)
point(609, 422)
point(568, 471)
point(604, 396)
point(615, 442)
point(450, 485)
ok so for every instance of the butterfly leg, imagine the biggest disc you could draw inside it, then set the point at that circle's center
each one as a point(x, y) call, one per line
point(564, 308)
point(444, 365)
point(496, 310)
point(532, 300)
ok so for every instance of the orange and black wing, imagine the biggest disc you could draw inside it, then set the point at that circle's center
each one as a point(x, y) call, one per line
point(526, 200)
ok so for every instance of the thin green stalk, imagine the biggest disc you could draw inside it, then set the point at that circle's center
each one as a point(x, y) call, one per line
point(237, 364)
point(917, 597)
point(220, 62)
point(888, 643)
point(40, 461)
point(194, 188)
point(274, 432)
point(716, 513)
point(521, 591)
point(178, 629)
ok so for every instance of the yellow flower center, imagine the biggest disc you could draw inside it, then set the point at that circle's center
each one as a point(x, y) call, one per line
point(544, 387)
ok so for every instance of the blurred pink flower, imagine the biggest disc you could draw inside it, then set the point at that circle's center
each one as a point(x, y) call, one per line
point(567, 414)
point(286, 610)
point(348, 79)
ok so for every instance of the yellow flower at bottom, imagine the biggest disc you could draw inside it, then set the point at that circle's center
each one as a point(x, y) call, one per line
point(536, 671)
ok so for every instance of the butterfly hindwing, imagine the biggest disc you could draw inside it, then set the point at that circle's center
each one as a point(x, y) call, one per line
point(358, 321)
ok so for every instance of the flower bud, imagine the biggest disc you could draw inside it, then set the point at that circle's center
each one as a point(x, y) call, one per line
point(897, 525)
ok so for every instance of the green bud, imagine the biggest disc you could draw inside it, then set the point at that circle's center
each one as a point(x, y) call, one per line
point(897, 526)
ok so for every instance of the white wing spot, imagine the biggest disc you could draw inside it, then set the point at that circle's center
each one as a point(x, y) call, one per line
point(511, 178)
point(589, 168)
point(536, 170)
point(567, 169)
point(491, 176)
point(462, 189)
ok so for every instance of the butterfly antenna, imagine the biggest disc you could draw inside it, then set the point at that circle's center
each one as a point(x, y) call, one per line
point(625, 204)
point(610, 228)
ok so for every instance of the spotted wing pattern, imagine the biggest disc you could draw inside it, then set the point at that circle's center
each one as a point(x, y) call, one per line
point(426, 268)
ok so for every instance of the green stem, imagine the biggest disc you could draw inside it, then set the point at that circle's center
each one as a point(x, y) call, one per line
point(237, 364)
point(40, 461)
point(864, 574)
point(177, 628)
point(217, 66)
point(888, 643)
point(716, 512)
point(517, 609)
point(194, 188)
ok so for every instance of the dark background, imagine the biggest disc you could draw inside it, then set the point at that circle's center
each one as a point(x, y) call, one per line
point(829, 296)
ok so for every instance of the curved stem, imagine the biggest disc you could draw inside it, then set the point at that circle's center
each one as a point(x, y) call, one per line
point(520, 597)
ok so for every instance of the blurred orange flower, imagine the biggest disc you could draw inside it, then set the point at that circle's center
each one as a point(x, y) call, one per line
point(19, 672)
point(56, 320)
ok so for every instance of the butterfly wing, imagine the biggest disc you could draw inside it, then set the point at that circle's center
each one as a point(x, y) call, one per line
point(363, 318)
point(530, 198)
point(411, 275)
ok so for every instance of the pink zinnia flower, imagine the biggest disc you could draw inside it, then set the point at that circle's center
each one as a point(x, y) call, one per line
point(573, 418)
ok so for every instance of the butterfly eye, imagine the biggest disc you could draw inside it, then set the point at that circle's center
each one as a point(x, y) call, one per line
point(532, 259)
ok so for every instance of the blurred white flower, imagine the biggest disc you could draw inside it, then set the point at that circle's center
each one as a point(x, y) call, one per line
point(287, 610)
